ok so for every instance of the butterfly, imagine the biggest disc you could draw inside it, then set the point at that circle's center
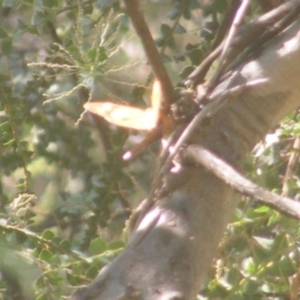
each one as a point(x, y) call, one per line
point(129, 116)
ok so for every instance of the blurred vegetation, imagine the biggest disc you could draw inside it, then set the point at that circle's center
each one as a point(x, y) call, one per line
point(65, 193)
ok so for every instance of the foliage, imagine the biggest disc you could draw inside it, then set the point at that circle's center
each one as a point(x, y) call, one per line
point(65, 193)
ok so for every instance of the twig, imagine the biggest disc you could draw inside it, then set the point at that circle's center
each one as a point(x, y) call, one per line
point(238, 182)
point(38, 239)
point(225, 23)
point(228, 42)
point(150, 138)
point(247, 34)
point(214, 104)
point(151, 51)
point(269, 33)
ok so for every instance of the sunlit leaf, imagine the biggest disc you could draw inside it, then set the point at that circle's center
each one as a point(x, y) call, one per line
point(97, 246)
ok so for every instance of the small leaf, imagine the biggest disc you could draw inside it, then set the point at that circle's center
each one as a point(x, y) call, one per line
point(3, 34)
point(97, 246)
point(262, 209)
point(92, 272)
point(43, 297)
point(6, 46)
point(72, 279)
point(45, 255)
point(195, 56)
point(50, 3)
point(186, 71)
point(159, 42)
point(116, 245)
point(165, 30)
point(251, 287)
point(179, 29)
point(88, 9)
point(173, 14)
point(48, 235)
point(21, 237)
point(65, 245)
point(187, 14)
point(286, 266)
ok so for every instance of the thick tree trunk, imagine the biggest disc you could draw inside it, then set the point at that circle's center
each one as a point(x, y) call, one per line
point(170, 261)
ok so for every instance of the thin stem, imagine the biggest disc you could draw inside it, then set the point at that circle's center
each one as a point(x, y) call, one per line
point(151, 51)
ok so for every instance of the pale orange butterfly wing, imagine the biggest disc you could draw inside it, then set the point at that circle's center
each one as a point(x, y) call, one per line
point(122, 115)
point(128, 116)
point(156, 96)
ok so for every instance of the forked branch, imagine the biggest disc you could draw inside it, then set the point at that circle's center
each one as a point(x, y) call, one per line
point(238, 182)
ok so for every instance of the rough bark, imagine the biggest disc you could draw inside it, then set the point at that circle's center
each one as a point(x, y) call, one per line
point(170, 261)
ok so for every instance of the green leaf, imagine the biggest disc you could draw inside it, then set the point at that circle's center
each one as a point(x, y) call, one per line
point(97, 246)
point(179, 29)
point(251, 287)
point(56, 240)
point(195, 55)
point(165, 30)
point(262, 209)
point(92, 272)
point(92, 54)
point(159, 42)
point(187, 13)
point(50, 3)
point(173, 14)
point(45, 255)
point(43, 297)
point(21, 237)
point(88, 9)
point(233, 275)
point(219, 6)
point(115, 245)
point(48, 235)
point(10, 142)
point(6, 46)
point(186, 71)
point(65, 245)
point(287, 267)
point(72, 279)
point(3, 34)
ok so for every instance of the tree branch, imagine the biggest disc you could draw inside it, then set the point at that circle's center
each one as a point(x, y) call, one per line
point(225, 23)
point(151, 51)
point(240, 14)
point(238, 182)
point(247, 34)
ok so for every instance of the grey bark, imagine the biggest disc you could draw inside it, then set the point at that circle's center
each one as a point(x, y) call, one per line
point(170, 261)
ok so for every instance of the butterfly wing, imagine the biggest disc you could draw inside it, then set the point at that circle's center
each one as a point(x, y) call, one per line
point(128, 116)
point(156, 96)
point(125, 116)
